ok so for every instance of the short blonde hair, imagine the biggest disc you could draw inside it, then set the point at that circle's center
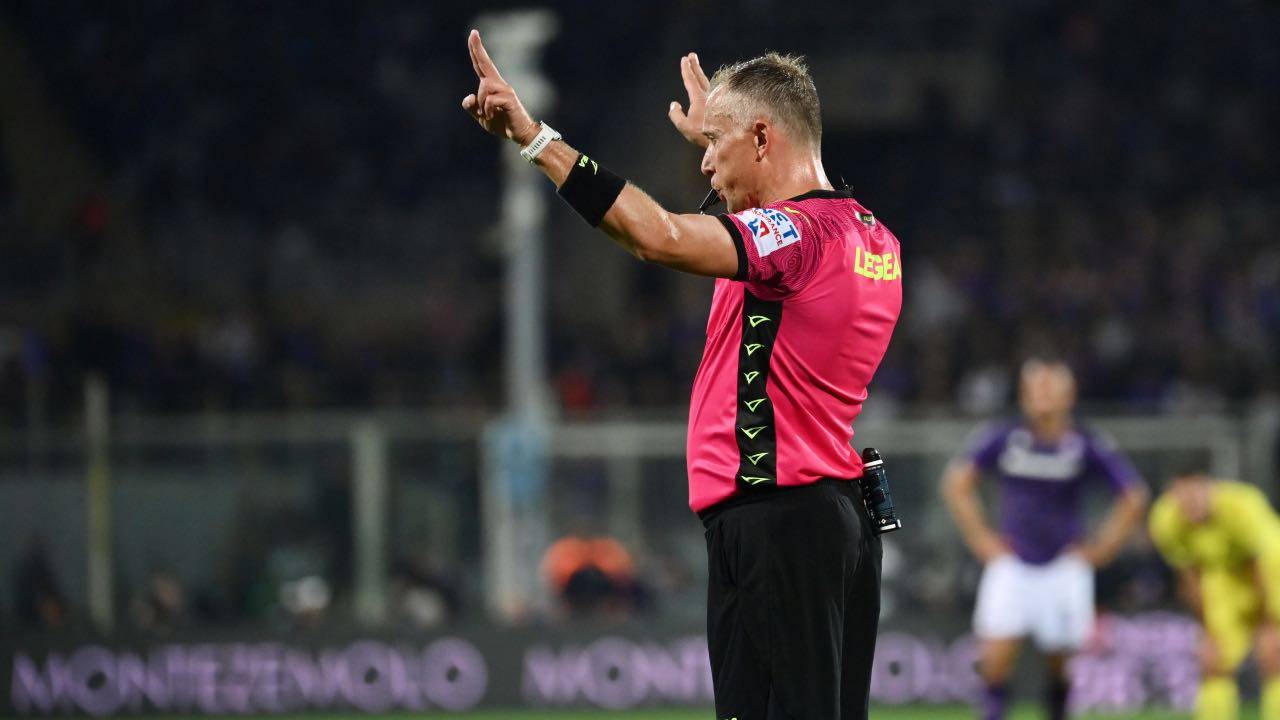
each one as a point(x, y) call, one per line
point(781, 86)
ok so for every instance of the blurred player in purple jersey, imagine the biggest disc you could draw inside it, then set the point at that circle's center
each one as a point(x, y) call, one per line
point(1037, 579)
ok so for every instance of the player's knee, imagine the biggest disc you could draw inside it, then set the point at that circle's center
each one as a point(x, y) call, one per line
point(1269, 652)
point(994, 674)
point(997, 663)
point(1213, 661)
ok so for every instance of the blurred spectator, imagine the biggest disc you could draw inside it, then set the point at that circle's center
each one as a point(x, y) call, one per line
point(298, 568)
point(40, 602)
point(280, 567)
point(161, 607)
point(315, 242)
point(305, 600)
point(593, 576)
point(422, 597)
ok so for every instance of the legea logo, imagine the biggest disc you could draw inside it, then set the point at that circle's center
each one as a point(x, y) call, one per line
point(877, 267)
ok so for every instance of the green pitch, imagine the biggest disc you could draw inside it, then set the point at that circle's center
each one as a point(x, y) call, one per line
point(1028, 712)
point(1025, 712)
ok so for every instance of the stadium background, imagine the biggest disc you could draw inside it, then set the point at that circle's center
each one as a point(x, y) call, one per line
point(280, 430)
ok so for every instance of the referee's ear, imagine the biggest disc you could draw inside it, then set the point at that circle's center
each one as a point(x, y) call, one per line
point(760, 132)
point(766, 137)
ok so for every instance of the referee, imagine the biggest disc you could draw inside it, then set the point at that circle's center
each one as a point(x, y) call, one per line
point(808, 290)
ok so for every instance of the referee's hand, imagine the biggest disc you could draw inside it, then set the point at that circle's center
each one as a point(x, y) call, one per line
point(494, 104)
point(697, 85)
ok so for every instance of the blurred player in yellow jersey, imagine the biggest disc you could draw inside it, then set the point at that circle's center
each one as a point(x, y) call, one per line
point(1223, 538)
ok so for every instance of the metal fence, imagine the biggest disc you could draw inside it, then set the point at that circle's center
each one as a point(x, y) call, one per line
point(315, 518)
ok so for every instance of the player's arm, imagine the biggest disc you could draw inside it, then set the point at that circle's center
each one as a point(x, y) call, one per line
point(1189, 590)
point(1126, 512)
point(698, 244)
point(693, 243)
point(1104, 459)
point(960, 492)
point(1168, 534)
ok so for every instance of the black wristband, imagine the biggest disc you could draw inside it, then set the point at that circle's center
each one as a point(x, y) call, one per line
point(591, 189)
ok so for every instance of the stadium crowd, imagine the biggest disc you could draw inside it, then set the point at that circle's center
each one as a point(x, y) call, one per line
point(288, 211)
point(316, 222)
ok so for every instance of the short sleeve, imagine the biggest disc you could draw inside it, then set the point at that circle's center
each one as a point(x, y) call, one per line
point(1167, 532)
point(986, 445)
point(779, 249)
point(1105, 460)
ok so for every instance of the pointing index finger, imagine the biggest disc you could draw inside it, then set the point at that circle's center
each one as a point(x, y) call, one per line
point(480, 57)
point(471, 52)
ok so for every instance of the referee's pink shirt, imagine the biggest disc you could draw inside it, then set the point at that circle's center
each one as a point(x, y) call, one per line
point(833, 275)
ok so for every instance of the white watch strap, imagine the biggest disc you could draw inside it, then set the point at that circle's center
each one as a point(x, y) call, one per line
point(546, 136)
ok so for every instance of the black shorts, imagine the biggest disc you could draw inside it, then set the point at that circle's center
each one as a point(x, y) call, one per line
point(793, 602)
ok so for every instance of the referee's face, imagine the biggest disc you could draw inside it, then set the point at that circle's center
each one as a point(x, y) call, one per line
point(732, 160)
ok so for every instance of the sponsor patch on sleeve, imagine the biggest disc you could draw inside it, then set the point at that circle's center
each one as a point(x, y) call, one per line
point(770, 229)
